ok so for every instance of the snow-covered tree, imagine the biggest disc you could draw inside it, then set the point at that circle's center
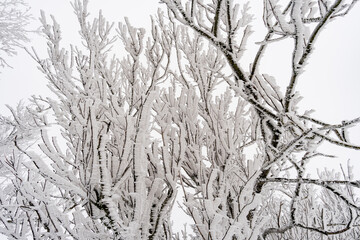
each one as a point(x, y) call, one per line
point(108, 177)
point(228, 193)
point(134, 131)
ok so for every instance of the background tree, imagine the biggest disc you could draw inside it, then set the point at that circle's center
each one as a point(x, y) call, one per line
point(133, 130)
point(14, 18)
point(22, 130)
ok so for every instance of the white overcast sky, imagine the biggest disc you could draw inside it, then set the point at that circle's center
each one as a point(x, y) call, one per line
point(330, 85)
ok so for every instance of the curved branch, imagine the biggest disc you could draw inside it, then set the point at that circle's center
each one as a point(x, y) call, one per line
point(308, 49)
point(339, 143)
